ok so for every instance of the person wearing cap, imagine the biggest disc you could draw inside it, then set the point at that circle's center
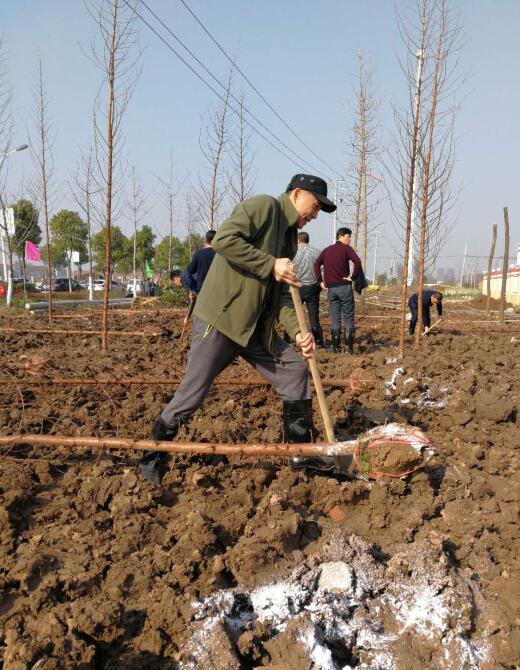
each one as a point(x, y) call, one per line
point(245, 293)
point(429, 298)
point(338, 278)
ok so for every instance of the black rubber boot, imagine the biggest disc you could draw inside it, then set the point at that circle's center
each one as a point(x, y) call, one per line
point(335, 334)
point(411, 328)
point(349, 340)
point(152, 463)
point(298, 428)
point(318, 337)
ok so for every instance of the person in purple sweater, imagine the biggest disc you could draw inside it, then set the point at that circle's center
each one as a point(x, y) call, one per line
point(338, 278)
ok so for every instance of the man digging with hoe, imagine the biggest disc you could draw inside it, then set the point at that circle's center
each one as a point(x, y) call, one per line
point(246, 291)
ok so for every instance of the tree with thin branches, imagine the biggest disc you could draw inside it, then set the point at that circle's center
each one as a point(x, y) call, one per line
point(436, 158)
point(365, 152)
point(241, 176)
point(118, 58)
point(138, 209)
point(85, 192)
point(43, 156)
point(211, 190)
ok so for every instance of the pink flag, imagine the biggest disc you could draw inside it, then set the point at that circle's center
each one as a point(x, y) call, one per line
point(32, 253)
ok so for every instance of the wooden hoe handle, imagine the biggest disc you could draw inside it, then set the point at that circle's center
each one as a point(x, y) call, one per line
point(313, 364)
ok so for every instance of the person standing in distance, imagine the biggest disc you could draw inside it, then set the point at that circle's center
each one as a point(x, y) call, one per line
point(338, 278)
point(310, 289)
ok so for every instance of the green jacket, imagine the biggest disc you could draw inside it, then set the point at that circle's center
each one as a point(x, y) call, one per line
point(235, 296)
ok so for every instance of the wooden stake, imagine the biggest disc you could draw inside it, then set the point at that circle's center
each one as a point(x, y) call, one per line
point(504, 268)
point(490, 269)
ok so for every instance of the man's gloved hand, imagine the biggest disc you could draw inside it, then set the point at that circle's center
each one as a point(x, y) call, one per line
point(306, 344)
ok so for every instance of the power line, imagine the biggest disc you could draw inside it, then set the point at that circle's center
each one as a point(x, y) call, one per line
point(219, 46)
point(199, 76)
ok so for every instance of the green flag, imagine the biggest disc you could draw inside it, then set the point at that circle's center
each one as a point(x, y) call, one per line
point(148, 270)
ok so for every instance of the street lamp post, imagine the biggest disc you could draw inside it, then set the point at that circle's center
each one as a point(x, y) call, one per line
point(334, 215)
point(6, 154)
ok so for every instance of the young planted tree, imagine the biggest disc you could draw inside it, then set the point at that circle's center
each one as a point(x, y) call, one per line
point(408, 138)
point(211, 189)
point(241, 176)
point(170, 191)
point(436, 157)
point(365, 150)
point(137, 207)
point(115, 21)
point(85, 191)
point(42, 151)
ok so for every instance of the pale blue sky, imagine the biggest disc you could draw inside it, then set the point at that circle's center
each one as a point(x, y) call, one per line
point(301, 56)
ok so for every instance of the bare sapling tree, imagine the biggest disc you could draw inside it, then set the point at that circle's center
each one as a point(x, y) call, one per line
point(408, 137)
point(85, 191)
point(437, 155)
point(42, 151)
point(241, 175)
point(118, 57)
point(170, 189)
point(211, 190)
point(137, 208)
point(365, 148)
point(490, 268)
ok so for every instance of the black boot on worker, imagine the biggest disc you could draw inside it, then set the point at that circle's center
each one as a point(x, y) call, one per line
point(335, 334)
point(318, 338)
point(349, 340)
point(298, 428)
point(153, 463)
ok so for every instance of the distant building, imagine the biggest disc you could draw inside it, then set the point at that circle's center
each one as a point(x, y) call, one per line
point(512, 281)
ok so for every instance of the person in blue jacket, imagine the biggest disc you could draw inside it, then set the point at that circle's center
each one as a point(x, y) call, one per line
point(195, 273)
point(430, 298)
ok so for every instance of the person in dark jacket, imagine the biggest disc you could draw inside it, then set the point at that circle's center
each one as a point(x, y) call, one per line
point(429, 298)
point(245, 292)
point(338, 278)
point(195, 273)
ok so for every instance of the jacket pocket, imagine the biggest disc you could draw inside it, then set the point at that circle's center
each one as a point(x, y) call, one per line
point(233, 295)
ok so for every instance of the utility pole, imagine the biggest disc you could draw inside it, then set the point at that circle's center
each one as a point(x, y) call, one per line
point(410, 270)
point(334, 214)
point(463, 263)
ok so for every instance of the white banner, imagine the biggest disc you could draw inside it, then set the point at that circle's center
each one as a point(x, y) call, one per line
point(74, 256)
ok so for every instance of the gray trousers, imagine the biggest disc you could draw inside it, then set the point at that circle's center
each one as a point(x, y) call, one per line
point(211, 352)
point(342, 304)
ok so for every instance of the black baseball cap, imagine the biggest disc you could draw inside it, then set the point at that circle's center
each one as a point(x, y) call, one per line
point(316, 186)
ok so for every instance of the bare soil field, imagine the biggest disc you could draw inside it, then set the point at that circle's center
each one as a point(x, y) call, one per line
point(240, 563)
